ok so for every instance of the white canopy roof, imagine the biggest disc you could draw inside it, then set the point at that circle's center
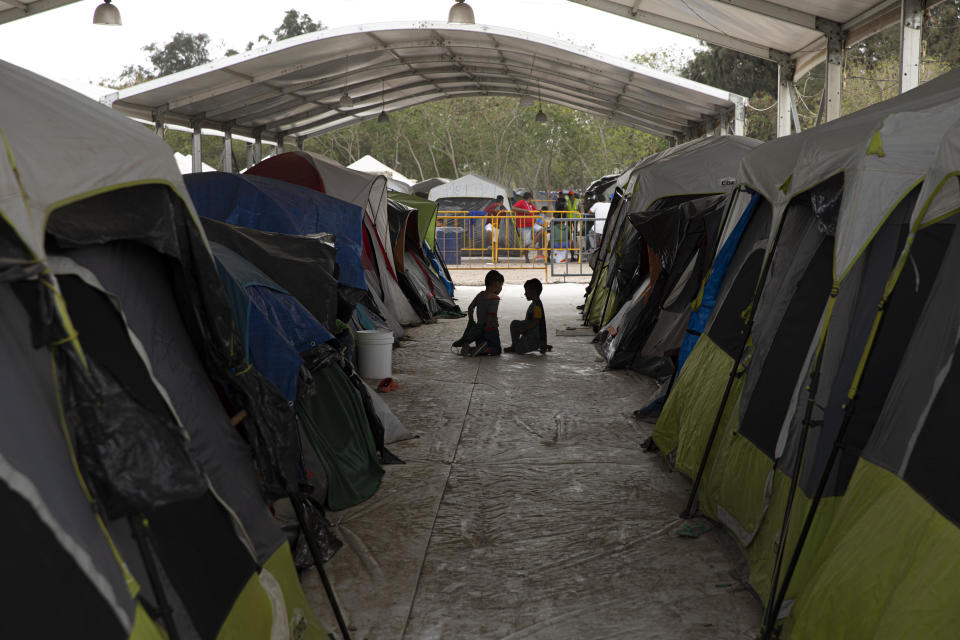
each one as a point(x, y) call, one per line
point(469, 186)
point(293, 87)
point(771, 29)
point(11, 10)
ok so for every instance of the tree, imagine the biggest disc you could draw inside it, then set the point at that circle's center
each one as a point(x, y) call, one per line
point(732, 71)
point(296, 24)
point(184, 51)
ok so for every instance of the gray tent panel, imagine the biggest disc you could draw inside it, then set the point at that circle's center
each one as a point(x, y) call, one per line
point(138, 279)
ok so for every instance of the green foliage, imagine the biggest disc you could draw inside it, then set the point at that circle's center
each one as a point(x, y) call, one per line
point(496, 138)
point(732, 71)
point(296, 24)
point(184, 51)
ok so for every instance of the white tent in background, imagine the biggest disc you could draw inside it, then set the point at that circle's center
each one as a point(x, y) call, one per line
point(369, 164)
point(185, 163)
point(470, 186)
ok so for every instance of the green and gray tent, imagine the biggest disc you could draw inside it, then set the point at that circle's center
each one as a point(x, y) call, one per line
point(122, 488)
point(698, 168)
point(799, 301)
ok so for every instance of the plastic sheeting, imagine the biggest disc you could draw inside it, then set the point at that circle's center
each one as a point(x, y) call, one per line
point(281, 207)
point(302, 265)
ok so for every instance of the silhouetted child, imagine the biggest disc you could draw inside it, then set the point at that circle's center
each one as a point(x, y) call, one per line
point(530, 334)
point(482, 336)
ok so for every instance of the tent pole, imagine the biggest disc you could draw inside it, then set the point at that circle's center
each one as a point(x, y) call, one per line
point(604, 250)
point(761, 281)
point(770, 614)
point(768, 626)
point(297, 502)
point(692, 498)
point(139, 531)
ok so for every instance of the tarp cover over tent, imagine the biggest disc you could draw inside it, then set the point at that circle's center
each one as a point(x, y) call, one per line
point(817, 251)
point(278, 332)
point(367, 191)
point(701, 167)
point(52, 199)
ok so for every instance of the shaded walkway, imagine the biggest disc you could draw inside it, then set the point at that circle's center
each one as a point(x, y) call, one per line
point(526, 508)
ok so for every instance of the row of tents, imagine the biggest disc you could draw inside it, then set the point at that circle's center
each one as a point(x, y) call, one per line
point(799, 302)
point(176, 366)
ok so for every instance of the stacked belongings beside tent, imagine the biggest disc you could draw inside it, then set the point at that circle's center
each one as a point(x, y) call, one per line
point(815, 406)
point(140, 450)
point(660, 243)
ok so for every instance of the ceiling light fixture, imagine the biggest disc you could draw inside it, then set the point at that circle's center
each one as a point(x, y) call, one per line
point(541, 117)
point(106, 13)
point(461, 13)
point(383, 118)
point(346, 102)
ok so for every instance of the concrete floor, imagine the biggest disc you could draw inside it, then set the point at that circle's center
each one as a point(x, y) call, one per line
point(526, 508)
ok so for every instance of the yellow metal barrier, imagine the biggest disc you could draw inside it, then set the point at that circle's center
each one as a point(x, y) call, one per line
point(511, 241)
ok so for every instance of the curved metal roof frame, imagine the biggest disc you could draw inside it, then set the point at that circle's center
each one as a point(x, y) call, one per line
point(293, 87)
point(11, 10)
point(778, 30)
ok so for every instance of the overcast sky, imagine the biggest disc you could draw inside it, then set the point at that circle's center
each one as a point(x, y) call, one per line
point(64, 45)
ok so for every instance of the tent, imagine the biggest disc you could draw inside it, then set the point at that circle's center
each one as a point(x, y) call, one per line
point(369, 192)
point(283, 340)
point(679, 243)
point(369, 164)
point(757, 407)
point(279, 211)
point(185, 163)
point(701, 167)
point(467, 193)
point(426, 215)
point(422, 189)
point(81, 511)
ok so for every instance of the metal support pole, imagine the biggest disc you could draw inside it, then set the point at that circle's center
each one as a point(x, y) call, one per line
point(793, 109)
point(140, 535)
point(159, 127)
point(228, 150)
point(279, 143)
point(315, 552)
point(740, 118)
point(257, 146)
point(911, 32)
point(197, 149)
point(784, 98)
point(299, 144)
point(833, 86)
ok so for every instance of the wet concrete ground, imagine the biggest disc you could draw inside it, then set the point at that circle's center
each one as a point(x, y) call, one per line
point(526, 508)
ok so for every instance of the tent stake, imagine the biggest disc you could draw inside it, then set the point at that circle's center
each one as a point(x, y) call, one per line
point(297, 503)
point(143, 544)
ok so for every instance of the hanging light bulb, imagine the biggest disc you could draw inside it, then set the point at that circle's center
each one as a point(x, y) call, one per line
point(106, 13)
point(346, 102)
point(541, 116)
point(461, 13)
point(383, 118)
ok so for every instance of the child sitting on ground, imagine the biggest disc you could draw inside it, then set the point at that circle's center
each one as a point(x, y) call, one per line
point(484, 332)
point(531, 333)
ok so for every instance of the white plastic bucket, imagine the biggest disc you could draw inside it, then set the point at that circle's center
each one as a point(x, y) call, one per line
point(375, 354)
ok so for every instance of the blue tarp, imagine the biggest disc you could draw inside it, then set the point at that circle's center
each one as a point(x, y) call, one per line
point(273, 205)
point(274, 326)
point(718, 272)
point(428, 252)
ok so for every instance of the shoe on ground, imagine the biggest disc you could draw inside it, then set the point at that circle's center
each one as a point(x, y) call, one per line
point(509, 350)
